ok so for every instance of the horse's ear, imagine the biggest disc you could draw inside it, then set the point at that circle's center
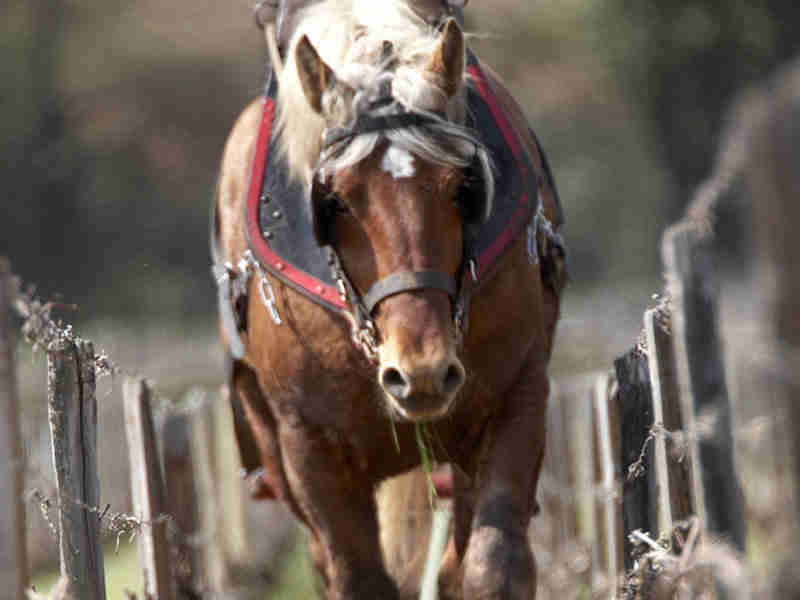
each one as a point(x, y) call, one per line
point(447, 61)
point(315, 76)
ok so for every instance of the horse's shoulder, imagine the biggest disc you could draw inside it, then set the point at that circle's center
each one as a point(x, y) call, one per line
point(233, 178)
point(242, 137)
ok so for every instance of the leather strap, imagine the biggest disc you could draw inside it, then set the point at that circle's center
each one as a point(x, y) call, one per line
point(407, 281)
point(367, 123)
point(227, 312)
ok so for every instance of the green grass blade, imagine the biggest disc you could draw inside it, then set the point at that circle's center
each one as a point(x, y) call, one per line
point(396, 441)
point(425, 455)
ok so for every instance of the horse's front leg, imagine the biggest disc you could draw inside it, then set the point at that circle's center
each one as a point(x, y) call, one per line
point(498, 562)
point(336, 498)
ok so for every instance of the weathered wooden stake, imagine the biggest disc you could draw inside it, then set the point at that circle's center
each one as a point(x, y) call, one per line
point(221, 498)
point(689, 263)
point(606, 435)
point(13, 562)
point(556, 489)
point(672, 477)
point(73, 428)
point(147, 488)
point(181, 503)
point(636, 416)
point(773, 182)
point(230, 486)
point(579, 424)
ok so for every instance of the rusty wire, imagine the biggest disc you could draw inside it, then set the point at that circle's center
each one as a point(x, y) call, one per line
point(40, 329)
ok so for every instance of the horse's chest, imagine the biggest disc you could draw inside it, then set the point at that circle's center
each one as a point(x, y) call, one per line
point(317, 380)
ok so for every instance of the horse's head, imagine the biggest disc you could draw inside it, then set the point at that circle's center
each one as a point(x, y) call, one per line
point(391, 193)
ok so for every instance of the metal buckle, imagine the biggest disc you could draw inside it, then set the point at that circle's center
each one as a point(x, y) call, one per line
point(533, 230)
point(473, 269)
point(222, 273)
point(246, 266)
point(365, 339)
point(533, 254)
point(458, 321)
point(363, 336)
point(362, 328)
point(268, 298)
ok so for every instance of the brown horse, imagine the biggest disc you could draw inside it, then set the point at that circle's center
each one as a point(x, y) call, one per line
point(391, 170)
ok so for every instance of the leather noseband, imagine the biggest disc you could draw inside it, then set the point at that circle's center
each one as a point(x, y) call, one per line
point(408, 281)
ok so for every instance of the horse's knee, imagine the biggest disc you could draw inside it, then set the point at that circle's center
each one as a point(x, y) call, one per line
point(499, 562)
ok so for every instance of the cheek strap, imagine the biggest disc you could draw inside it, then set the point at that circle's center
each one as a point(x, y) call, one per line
point(408, 281)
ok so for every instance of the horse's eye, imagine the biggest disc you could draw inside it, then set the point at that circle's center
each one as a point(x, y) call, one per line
point(464, 193)
point(337, 205)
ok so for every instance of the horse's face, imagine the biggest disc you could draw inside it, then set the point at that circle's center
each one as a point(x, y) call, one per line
point(400, 213)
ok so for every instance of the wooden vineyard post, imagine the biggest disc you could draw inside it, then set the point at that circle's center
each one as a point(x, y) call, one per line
point(578, 419)
point(773, 180)
point(636, 418)
point(706, 406)
point(13, 562)
point(565, 533)
point(147, 490)
point(73, 429)
point(672, 477)
point(608, 521)
point(578, 422)
point(220, 492)
point(181, 502)
point(556, 488)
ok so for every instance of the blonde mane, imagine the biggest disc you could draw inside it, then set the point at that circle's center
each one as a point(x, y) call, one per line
point(350, 36)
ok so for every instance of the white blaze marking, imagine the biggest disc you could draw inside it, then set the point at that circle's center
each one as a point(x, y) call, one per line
point(398, 162)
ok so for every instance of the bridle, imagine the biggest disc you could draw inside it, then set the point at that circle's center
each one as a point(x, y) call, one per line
point(361, 306)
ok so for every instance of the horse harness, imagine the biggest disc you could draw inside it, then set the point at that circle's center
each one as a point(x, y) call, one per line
point(290, 233)
point(280, 244)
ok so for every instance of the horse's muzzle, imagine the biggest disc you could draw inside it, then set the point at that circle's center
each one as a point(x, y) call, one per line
point(423, 392)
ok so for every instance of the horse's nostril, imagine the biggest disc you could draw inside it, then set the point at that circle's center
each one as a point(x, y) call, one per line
point(395, 383)
point(453, 379)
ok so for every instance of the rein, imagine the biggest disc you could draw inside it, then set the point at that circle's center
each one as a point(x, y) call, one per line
point(364, 331)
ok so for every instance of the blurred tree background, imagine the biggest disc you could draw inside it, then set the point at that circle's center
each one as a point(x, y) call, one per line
point(115, 114)
point(683, 62)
